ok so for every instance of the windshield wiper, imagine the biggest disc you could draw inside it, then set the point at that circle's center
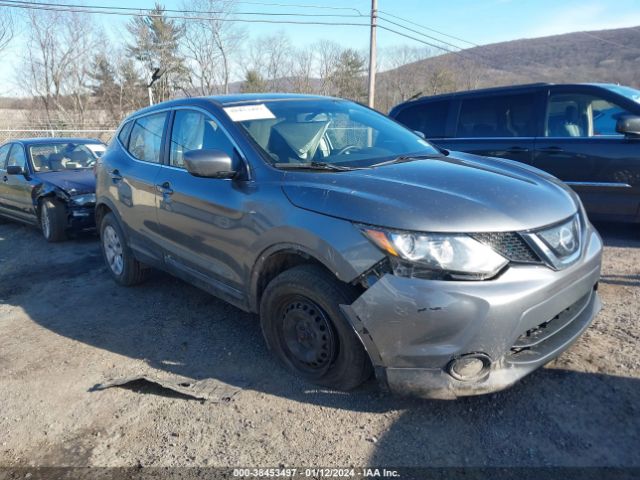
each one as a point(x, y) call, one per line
point(406, 158)
point(316, 166)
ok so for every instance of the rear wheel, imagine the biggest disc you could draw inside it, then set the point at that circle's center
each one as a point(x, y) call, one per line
point(122, 265)
point(303, 325)
point(53, 220)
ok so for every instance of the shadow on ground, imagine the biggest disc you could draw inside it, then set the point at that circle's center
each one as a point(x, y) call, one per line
point(552, 417)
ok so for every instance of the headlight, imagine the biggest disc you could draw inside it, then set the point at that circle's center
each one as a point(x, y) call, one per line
point(435, 255)
point(83, 199)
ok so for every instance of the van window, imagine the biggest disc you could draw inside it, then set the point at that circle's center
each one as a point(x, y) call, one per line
point(194, 131)
point(146, 138)
point(496, 116)
point(429, 118)
point(581, 115)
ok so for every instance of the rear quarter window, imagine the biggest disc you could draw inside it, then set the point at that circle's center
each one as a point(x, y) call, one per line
point(123, 136)
point(429, 118)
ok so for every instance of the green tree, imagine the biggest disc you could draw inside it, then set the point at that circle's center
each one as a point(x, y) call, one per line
point(156, 44)
point(347, 78)
point(253, 82)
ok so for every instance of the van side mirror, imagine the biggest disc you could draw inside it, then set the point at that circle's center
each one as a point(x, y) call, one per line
point(209, 164)
point(15, 170)
point(629, 125)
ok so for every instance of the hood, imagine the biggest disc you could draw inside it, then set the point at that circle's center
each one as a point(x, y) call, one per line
point(456, 193)
point(73, 182)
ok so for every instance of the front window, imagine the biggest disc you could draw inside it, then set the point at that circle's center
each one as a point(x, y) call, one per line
point(335, 132)
point(582, 115)
point(61, 156)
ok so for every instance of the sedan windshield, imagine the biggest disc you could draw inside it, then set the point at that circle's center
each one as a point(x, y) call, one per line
point(61, 156)
point(326, 132)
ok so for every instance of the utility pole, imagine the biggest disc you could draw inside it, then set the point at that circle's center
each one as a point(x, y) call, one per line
point(372, 53)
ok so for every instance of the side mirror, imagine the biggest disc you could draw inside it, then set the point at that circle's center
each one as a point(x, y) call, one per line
point(628, 125)
point(209, 164)
point(420, 134)
point(15, 170)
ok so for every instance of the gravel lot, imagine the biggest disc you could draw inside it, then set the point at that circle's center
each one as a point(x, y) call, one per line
point(65, 326)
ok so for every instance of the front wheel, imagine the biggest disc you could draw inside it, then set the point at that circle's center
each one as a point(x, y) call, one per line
point(122, 265)
point(304, 327)
point(53, 220)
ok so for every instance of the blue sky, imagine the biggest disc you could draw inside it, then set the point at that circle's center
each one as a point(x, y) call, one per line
point(480, 22)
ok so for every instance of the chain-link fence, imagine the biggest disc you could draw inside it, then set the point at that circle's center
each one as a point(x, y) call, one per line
point(11, 134)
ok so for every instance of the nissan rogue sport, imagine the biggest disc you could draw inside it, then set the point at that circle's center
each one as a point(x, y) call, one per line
point(361, 246)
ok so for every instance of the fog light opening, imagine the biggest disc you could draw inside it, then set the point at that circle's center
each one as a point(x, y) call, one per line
point(471, 366)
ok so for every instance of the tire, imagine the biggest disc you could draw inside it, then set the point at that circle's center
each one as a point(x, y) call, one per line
point(53, 220)
point(121, 264)
point(303, 326)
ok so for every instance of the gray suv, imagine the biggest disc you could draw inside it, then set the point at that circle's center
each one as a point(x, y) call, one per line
point(361, 246)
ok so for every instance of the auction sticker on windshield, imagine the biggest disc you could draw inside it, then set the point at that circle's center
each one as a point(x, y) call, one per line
point(243, 113)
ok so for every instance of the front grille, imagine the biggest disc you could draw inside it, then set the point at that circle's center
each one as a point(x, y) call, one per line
point(510, 245)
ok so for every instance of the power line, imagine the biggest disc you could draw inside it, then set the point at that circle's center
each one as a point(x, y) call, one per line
point(203, 12)
point(384, 13)
point(142, 13)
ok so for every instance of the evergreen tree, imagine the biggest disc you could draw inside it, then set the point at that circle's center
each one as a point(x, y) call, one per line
point(253, 82)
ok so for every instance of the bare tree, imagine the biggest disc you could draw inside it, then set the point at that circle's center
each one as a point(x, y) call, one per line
point(328, 61)
point(6, 27)
point(210, 43)
point(57, 63)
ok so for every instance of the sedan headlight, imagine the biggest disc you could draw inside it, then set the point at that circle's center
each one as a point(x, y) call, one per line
point(86, 199)
point(435, 255)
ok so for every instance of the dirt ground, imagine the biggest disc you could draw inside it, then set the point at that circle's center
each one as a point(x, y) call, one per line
point(65, 327)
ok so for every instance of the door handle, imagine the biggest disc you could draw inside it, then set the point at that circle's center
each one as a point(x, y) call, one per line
point(115, 175)
point(517, 149)
point(551, 150)
point(164, 188)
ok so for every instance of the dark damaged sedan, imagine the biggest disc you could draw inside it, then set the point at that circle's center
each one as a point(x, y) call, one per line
point(361, 246)
point(49, 182)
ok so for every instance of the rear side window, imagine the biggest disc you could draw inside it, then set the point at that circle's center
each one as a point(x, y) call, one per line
point(145, 141)
point(429, 118)
point(123, 136)
point(508, 116)
point(4, 151)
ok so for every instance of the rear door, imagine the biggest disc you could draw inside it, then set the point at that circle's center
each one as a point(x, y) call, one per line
point(17, 188)
point(4, 153)
point(580, 146)
point(497, 125)
point(133, 180)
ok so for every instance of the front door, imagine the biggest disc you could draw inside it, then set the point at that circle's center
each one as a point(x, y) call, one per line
point(202, 221)
point(581, 147)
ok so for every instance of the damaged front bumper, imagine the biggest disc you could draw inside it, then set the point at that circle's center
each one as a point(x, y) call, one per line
point(416, 330)
point(81, 217)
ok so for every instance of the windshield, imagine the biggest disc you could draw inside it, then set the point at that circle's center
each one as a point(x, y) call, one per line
point(335, 132)
point(630, 93)
point(61, 156)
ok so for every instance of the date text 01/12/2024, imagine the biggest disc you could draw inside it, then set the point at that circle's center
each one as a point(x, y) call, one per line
point(315, 472)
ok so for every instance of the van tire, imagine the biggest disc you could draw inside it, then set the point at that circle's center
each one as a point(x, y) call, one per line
point(304, 327)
